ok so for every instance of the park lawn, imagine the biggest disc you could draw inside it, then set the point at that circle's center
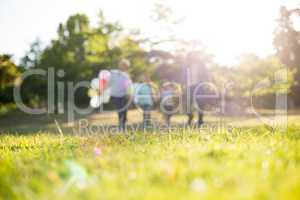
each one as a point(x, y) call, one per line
point(255, 163)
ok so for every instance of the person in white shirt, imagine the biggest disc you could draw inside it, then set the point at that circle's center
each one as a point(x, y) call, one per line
point(120, 84)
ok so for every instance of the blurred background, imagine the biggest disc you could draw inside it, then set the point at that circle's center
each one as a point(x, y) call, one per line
point(242, 42)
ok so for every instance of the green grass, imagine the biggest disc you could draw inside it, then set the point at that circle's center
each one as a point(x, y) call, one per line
point(252, 163)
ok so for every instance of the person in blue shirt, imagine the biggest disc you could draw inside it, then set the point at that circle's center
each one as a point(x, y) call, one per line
point(145, 99)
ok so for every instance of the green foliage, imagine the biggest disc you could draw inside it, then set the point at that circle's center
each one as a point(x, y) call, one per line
point(69, 51)
point(286, 42)
point(131, 50)
point(8, 75)
point(81, 51)
point(8, 71)
point(32, 57)
point(250, 72)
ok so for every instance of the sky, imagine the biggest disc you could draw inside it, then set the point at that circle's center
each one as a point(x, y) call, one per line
point(228, 28)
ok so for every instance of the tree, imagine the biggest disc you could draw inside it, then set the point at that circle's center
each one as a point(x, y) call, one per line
point(8, 75)
point(244, 79)
point(287, 45)
point(33, 56)
point(131, 50)
point(81, 50)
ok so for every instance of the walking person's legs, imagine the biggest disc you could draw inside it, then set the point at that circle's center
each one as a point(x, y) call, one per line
point(200, 118)
point(201, 103)
point(122, 119)
point(145, 119)
point(200, 110)
point(123, 112)
point(188, 97)
point(168, 119)
point(146, 115)
point(189, 109)
point(121, 104)
point(190, 118)
point(169, 111)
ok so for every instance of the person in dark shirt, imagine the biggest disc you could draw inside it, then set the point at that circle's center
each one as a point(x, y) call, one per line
point(195, 78)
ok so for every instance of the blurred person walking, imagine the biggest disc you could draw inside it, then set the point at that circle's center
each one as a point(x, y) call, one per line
point(120, 84)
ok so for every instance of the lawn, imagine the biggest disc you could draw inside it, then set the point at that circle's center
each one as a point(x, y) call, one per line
point(245, 163)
